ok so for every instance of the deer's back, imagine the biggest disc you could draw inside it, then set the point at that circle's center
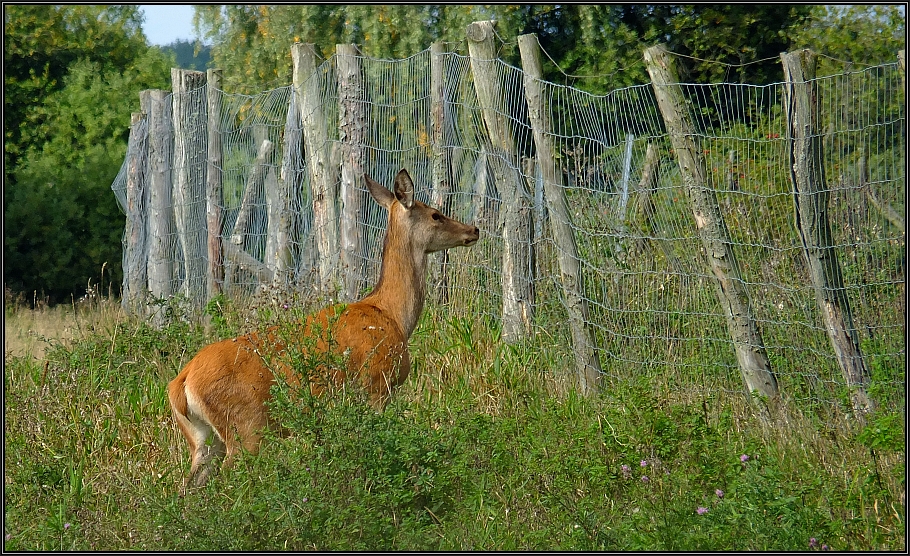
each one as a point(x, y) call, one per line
point(373, 344)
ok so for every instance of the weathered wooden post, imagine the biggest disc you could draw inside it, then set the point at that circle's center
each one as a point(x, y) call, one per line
point(189, 178)
point(352, 126)
point(157, 105)
point(308, 89)
point(251, 193)
point(442, 169)
point(712, 230)
point(288, 193)
point(479, 210)
point(902, 66)
point(587, 363)
point(213, 187)
point(810, 192)
point(135, 267)
point(517, 280)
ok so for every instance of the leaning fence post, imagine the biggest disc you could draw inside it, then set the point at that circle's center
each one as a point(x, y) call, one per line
point(308, 89)
point(189, 171)
point(213, 189)
point(352, 130)
point(729, 286)
point(160, 207)
point(517, 283)
point(135, 264)
point(810, 192)
point(442, 170)
point(586, 362)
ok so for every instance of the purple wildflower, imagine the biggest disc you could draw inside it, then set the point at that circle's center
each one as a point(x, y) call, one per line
point(719, 493)
point(813, 542)
point(626, 471)
point(645, 479)
point(826, 547)
point(701, 510)
point(644, 463)
point(744, 458)
point(66, 526)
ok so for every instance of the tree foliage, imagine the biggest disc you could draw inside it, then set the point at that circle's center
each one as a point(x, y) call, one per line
point(72, 78)
point(190, 54)
point(857, 34)
point(252, 42)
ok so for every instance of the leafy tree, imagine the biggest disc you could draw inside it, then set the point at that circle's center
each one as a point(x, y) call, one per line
point(75, 73)
point(731, 34)
point(862, 34)
point(252, 43)
point(40, 43)
point(189, 54)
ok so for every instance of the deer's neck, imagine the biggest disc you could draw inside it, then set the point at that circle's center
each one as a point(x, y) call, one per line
point(402, 286)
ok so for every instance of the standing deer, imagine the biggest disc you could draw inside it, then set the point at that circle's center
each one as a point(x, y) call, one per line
point(223, 389)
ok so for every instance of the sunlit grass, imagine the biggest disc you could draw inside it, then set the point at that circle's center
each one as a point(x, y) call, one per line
point(485, 447)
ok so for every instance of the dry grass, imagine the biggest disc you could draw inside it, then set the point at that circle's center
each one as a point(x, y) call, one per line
point(28, 332)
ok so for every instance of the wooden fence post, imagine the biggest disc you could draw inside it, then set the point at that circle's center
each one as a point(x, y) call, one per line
point(288, 193)
point(160, 206)
point(213, 190)
point(730, 289)
point(135, 267)
point(586, 361)
point(517, 282)
point(442, 169)
point(308, 88)
point(189, 171)
point(810, 191)
point(352, 127)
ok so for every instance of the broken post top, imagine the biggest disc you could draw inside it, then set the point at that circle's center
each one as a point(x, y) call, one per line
point(480, 31)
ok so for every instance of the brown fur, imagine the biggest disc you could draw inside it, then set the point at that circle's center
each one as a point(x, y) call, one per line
point(223, 389)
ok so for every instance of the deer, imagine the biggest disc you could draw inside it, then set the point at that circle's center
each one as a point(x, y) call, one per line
point(223, 390)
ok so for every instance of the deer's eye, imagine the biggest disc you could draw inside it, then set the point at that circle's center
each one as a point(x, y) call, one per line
point(437, 217)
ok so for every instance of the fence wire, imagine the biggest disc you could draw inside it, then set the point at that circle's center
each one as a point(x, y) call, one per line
point(650, 291)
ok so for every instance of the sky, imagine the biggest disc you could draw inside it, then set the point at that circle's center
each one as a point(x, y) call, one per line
point(165, 23)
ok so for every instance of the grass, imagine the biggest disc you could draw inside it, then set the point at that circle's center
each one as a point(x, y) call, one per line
point(485, 447)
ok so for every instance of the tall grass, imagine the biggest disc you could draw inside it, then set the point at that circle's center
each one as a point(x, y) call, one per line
point(485, 447)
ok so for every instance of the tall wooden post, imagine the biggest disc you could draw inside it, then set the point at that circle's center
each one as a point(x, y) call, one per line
point(288, 194)
point(189, 172)
point(308, 89)
point(712, 230)
point(586, 362)
point(517, 282)
point(135, 263)
point(442, 169)
point(160, 207)
point(213, 189)
point(810, 192)
point(352, 131)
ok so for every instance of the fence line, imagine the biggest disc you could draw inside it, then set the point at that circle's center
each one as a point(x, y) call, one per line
point(593, 243)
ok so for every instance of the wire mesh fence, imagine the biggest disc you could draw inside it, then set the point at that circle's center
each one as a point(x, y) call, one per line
point(651, 294)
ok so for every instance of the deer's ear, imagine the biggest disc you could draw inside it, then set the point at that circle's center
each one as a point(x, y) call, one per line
point(404, 189)
point(382, 195)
